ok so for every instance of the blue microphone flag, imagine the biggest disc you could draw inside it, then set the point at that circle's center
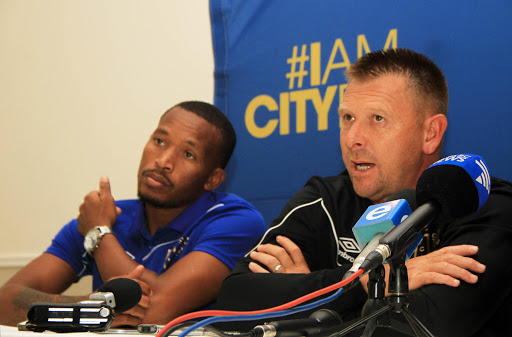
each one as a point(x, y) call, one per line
point(476, 167)
point(380, 219)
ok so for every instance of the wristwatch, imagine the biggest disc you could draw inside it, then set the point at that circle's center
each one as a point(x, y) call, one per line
point(93, 238)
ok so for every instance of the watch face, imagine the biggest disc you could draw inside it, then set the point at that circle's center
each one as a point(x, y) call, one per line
point(90, 239)
point(88, 243)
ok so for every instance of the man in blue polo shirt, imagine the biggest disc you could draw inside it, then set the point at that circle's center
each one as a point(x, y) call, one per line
point(186, 236)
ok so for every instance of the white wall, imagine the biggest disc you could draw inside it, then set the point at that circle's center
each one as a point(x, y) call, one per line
point(82, 85)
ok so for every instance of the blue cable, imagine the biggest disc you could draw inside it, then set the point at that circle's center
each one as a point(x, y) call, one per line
point(281, 313)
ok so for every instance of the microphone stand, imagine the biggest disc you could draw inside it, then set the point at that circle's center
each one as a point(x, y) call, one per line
point(379, 312)
point(376, 300)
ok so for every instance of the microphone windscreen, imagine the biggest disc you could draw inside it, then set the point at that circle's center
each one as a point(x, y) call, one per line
point(460, 184)
point(127, 292)
point(408, 194)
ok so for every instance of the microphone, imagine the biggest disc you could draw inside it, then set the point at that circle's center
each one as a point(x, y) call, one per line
point(95, 314)
point(452, 187)
point(127, 291)
point(316, 322)
point(378, 220)
point(382, 217)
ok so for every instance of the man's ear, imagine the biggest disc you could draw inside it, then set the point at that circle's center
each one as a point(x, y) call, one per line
point(435, 126)
point(216, 178)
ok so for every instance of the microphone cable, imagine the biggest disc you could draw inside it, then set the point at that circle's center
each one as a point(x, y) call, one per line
point(207, 328)
point(277, 311)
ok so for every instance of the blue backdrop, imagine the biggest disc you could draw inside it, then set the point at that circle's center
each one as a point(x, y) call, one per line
point(279, 69)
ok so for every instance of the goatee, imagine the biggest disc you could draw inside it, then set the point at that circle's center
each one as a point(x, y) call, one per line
point(162, 204)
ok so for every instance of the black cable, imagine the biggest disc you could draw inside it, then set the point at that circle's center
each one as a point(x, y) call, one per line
point(226, 334)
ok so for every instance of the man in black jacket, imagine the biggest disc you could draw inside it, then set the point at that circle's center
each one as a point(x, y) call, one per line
point(393, 122)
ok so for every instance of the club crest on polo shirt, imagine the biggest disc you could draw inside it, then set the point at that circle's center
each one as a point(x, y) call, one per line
point(174, 253)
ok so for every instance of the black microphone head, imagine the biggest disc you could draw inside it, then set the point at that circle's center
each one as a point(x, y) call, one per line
point(326, 317)
point(451, 187)
point(408, 194)
point(127, 292)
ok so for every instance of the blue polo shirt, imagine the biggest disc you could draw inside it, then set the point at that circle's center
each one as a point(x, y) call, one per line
point(220, 224)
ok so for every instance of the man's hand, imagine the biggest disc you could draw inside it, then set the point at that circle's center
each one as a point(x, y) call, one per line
point(98, 208)
point(135, 315)
point(286, 258)
point(448, 265)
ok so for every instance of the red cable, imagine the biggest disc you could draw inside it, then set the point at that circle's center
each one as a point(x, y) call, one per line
point(284, 306)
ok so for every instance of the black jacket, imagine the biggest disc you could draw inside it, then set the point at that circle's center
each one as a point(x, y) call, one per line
point(319, 219)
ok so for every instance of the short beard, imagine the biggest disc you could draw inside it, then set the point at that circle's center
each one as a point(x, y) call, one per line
point(163, 204)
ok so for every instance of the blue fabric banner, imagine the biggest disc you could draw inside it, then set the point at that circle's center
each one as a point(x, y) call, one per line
point(279, 76)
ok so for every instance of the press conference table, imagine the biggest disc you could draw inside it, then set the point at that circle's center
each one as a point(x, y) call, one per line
point(9, 331)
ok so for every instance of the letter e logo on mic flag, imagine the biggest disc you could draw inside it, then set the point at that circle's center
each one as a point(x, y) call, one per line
point(381, 218)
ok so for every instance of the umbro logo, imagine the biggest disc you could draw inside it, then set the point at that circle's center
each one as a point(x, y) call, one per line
point(484, 179)
point(349, 245)
point(346, 246)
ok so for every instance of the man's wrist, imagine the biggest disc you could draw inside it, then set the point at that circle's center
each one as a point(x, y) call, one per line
point(94, 236)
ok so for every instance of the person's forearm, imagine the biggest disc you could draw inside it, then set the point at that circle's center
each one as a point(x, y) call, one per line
point(112, 260)
point(15, 301)
point(189, 284)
